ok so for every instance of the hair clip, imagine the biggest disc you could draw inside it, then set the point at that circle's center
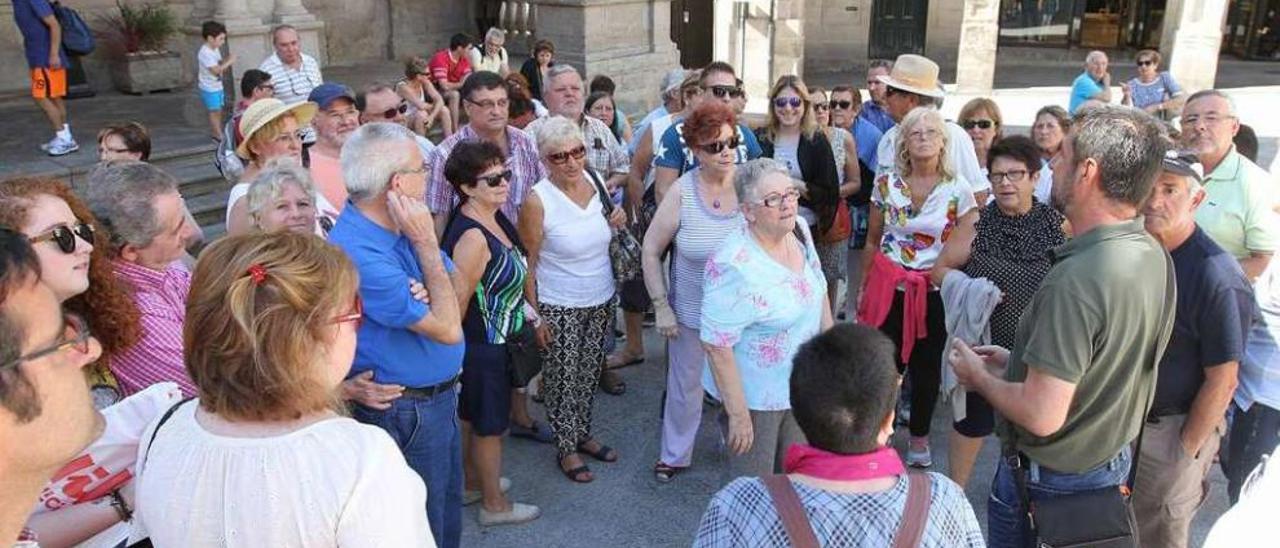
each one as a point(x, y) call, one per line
point(258, 273)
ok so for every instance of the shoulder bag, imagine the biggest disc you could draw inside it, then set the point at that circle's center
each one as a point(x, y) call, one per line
point(624, 248)
point(800, 532)
point(77, 37)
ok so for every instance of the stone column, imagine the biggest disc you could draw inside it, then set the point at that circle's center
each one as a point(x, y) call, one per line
point(976, 60)
point(1193, 57)
point(628, 40)
point(289, 11)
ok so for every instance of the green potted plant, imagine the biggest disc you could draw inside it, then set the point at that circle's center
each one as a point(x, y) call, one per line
point(136, 36)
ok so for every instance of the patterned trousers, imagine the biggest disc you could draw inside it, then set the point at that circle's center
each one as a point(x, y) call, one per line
point(571, 366)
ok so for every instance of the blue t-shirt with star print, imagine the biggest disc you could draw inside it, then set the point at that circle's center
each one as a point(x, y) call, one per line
point(674, 153)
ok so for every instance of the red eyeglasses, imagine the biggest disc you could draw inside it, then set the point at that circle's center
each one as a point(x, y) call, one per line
point(356, 316)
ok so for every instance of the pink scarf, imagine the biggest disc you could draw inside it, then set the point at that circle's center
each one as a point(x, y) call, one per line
point(811, 461)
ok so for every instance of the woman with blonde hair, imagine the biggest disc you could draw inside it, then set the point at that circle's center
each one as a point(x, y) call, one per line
point(283, 198)
point(914, 209)
point(265, 455)
point(271, 130)
point(981, 119)
point(792, 137)
point(426, 106)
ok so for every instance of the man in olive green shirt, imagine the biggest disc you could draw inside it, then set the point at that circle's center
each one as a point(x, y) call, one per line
point(1072, 391)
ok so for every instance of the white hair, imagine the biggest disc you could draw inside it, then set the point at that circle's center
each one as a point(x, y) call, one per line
point(555, 133)
point(747, 177)
point(1095, 56)
point(370, 158)
point(495, 34)
point(270, 183)
point(557, 71)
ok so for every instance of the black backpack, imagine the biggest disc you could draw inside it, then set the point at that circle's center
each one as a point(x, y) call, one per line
point(77, 37)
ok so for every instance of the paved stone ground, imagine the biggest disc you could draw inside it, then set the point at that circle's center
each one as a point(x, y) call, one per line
point(626, 507)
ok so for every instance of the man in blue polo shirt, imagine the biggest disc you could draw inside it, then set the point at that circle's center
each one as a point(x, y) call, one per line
point(1093, 86)
point(408, 354)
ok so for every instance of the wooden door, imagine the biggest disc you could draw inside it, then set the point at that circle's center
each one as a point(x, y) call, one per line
point(897, 27)
point(692, 22)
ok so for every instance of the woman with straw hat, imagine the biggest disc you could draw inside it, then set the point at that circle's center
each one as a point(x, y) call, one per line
point(270, 130)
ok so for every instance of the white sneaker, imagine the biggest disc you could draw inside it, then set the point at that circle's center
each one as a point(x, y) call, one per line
point(46, 146)
point(519, 513)
point(470, 497)
point(919, 458)
point(60, 147)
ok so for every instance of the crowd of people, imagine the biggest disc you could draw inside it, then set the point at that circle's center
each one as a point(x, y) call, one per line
point(1099, 294)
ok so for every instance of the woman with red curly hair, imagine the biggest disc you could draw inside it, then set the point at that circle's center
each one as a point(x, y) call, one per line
point(73, 257)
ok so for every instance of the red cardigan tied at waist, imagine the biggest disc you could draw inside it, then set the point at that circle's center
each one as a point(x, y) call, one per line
point(878, 289)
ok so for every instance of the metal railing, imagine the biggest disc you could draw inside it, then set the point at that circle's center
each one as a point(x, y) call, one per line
point(519, 19)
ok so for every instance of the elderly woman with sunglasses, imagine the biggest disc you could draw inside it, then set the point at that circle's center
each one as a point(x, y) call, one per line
point(1152, 90)
point(696, 215)
point(792, 137)
point(270, 129)
point(1007, 245)
point(915, 209)
point(491, 274)
point(763, 296)
point(567, 236)
point(265, 453)
point(980, 118)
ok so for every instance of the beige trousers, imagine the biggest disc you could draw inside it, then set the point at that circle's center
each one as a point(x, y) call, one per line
point(1170, 485)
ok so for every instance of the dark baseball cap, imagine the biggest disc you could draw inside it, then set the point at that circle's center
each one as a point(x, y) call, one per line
point(325, 94)
point(1183, 163)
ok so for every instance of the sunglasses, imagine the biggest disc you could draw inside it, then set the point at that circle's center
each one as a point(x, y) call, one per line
point(561, 157)
point(393, 112)
point(724, 91)
point(984, 124)
point(842, 105)
point(65, 236)
point(717, 147)
point(1146, 62)
point(496, 179)
point(75, 336)
point(782, 102)
point(820, 106)
point(356, 316)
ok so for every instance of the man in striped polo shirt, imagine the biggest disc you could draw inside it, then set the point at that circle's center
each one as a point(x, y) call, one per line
point(293, 73)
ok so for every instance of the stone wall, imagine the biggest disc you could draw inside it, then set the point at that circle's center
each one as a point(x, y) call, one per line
point(942, 31)
point(836, 37)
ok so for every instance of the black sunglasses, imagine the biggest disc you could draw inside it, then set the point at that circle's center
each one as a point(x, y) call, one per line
point(724, 91)
point(392, 112)
point(496, 179)
point(1145, 62)
point(970, 124)
point(842, 105)
point(718, 146)
point(65, 236)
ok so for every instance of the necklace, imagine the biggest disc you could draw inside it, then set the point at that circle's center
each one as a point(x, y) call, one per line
point(716, 203)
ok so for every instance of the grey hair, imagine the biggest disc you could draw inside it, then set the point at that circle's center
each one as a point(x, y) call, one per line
point(557, 71)
point(495, 33)
point(282, 27)
point(122, 196)
point(1094, 55)
point(370, 158)
point(880, 63)
point(555, 132)
point(747, 177)
point(270, 183)
point(1231, 103)
point(1129, 146)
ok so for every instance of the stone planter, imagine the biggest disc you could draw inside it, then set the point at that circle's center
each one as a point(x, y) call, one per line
point(147, 72)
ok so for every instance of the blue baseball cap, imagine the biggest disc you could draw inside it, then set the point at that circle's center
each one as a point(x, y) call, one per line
point(325, 94)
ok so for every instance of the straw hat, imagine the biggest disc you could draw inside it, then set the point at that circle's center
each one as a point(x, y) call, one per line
point(263, 112)
point(915, 74)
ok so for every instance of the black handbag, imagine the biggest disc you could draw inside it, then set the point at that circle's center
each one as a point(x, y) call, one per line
point(624, 248)
point(524, 358)
point(1101, 518)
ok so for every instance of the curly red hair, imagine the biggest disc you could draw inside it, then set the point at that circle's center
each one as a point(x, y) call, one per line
point(107, 305)
point(706, 121)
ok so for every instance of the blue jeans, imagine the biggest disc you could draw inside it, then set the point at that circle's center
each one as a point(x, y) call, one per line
point(1254, 433)
point(1007, 524)
point(426, 429)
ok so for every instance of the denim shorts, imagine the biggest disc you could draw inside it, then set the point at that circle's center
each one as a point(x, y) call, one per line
point(212, 99)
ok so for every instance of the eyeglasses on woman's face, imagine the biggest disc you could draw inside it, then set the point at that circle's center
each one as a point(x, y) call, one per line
point(356, 315)
point(577, 153)
point(776, 199)
point(716, 147)
point(495, 180)
point(1012, 176)
point(783, 102)
point(64, 236)
point(977, 123)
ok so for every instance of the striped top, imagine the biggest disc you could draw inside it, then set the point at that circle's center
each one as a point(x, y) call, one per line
point(497, 310)
point(700, 233)
point(161, 297)
point(294, 85)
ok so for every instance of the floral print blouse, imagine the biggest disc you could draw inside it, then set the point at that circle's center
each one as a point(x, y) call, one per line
point(764, 311)
point(913, 238)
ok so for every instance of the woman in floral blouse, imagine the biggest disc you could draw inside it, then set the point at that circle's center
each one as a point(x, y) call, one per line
point(763, 295)
point(914, 209)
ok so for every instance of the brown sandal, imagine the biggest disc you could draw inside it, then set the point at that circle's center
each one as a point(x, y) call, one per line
point(612, 383)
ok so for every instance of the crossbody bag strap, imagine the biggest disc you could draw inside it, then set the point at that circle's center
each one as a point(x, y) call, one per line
point(916, 513)
point(605, 201)
point(787, 504)
point(1170, 281)
point(163, 419)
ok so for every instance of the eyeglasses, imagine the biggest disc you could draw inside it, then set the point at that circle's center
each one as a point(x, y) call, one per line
point(1208, 119)
point(1145, 62)
point(924, 135)
point(716, 147)
point(776, 200)
point(497, 178)
point(820, 106)
point(294, 89)
point(782, 102)
point(737, 93)
point(983, 124)
point(356, 316)
point(65, 236)
point(577, 153)
point(74, 336)
point(1013, 176)
point(490, 104)
point(723, 91)
point(842, 105)
point(418, 171)
point(393, 112)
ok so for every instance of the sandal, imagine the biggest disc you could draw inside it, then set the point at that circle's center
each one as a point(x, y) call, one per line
point(619, 360)
point(665, 472)
point(603, 453)
point(537, 431)
point(575, 475)
point(612, 384)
